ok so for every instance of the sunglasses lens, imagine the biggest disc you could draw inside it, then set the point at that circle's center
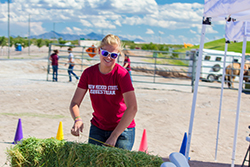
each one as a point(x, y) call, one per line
point(105, 53)
point(114, 55)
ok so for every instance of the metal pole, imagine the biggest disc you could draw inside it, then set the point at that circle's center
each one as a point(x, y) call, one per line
point(193, 70)
point(54, 30)
point(82, 59)
point(9, 28)
point(29, 34)
point(221, 96)
point(239, 98)
point(197, 78)
point(155, 56)
point(48, 68)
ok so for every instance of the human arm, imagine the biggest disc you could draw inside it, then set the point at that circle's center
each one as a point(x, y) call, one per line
point(74, 110)
point(125, 65)
point(71, 60)
point(127, 118)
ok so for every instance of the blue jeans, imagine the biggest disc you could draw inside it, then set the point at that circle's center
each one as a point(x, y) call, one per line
point(124, 141)
point(55, 72)
point(130, 75)
point(70, 71)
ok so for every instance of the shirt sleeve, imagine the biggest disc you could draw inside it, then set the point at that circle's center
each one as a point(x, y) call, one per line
point(125, 83)
point(83, 83)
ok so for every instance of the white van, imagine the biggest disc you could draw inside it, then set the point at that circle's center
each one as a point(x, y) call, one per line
point(212, 63)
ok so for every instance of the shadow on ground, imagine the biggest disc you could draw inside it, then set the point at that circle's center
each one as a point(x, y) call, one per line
point(205, 164)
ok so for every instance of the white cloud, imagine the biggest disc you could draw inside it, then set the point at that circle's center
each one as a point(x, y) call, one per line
point(103, 23)
point(117, 22)
point(111, 15)
point(36, 28)
point(210, 30)
point(86, 23)
point(160, 32)
point(77, 29)
point(145, 12)
point(67, 30)
point(131, 37)
point(149, 31)
point(193, 32)
point(135, 7)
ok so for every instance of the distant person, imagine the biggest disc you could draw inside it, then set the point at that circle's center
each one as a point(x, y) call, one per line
point(71, 65)
point(54, 62)
point(112, 97)
point(127, 65)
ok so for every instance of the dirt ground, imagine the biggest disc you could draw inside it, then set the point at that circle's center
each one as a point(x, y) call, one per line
point(163, 110)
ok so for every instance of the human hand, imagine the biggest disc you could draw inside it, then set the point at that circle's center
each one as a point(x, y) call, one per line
point(110, 142)
point(77, 128)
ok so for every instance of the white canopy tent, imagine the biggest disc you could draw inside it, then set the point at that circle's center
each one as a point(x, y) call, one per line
point(218, 10)
point(234, 31)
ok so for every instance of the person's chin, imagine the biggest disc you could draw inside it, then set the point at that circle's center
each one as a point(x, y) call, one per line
point(108, 63)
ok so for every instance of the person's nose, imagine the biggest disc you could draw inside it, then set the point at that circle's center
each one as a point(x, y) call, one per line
point(109, 56)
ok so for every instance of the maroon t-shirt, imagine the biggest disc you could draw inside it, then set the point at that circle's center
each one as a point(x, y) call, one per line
point(127, 60)
point(106, 95)
point(54, 59)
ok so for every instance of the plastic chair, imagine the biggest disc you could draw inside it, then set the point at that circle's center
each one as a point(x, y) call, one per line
point(167, 164)
point(178, 159)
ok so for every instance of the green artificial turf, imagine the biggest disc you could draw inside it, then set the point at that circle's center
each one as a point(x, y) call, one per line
point(54, 153)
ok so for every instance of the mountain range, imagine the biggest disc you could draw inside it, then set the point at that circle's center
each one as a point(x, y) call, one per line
point(90, 36)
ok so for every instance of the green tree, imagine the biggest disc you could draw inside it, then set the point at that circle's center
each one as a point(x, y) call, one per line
point(3, 41)
point(150, 46)
point(163, 47)
point(47, 42)
point(132, 46)
point(61, 42)
point(25, 43)
point(175, 55)
point(60, 39)
point(11, 41)
point(30, 43)
point(39, 43)
point(75, 42)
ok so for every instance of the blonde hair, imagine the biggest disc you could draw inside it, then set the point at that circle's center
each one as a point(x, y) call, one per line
point(111, 39)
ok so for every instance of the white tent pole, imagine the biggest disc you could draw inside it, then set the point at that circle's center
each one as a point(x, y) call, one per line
point(239, 99)
point(197, 78)
point(221, 95)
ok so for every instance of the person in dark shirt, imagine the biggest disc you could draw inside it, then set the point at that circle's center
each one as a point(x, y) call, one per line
point(54, 62)
point(127, 65)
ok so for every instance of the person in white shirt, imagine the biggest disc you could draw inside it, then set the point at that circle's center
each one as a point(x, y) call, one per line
point(71, 65)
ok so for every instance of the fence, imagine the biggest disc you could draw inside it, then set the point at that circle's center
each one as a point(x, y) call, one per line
point(158, 67)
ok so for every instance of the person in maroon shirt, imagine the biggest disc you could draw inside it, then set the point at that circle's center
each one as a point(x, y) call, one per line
point(112, 96)
point(54, 62)
point(127, 65)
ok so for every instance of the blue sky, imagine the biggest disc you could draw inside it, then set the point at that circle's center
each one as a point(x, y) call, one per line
point(158, 21)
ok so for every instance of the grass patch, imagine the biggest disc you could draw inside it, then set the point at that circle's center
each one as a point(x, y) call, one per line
point(220, 45)
point(54, 153)
point(166, 59)
point(34, 115)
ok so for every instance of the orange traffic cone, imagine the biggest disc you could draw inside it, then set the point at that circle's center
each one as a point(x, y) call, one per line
point(59, 135)
point(144, 143)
